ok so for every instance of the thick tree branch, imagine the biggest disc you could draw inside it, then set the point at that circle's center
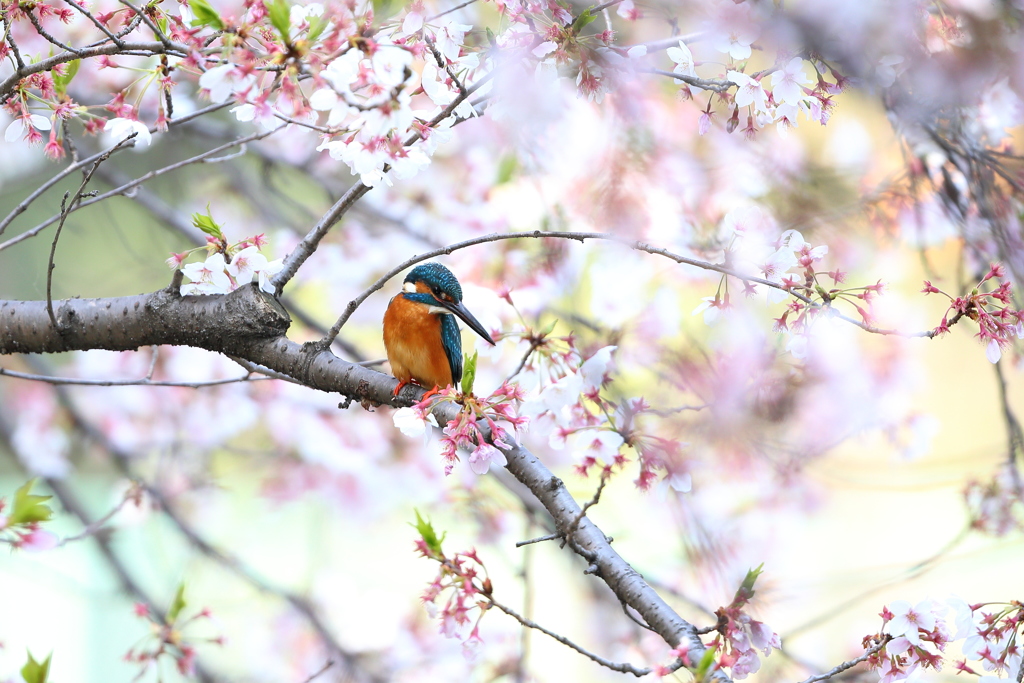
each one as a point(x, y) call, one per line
point(249, 324)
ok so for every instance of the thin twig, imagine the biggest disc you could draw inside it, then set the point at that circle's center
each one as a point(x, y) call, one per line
point(50, 266)
point(149, 22)
point(601, 8)
point(528, 623)
point(23, 206)
point(605, 474)
point(549, 537)
point(715, 84)
point(1015, 435)
point(144, 382)
point(96, 22)
point(65, 209)
point(448, 11)
point(95, 526)
point(581, 237)
point(199, 158)
point(309, 243)
point(850, 664)
point(10, 41)
point(665, 43)
point(442, 63)
point(534, 345)
point(152, 362)
point(24, 70)
point(41, 31)
point(625, 610)
point(321, 672)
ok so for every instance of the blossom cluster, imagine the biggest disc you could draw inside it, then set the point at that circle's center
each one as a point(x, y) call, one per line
point(227, 266)
point(569, 405)
point(20, 522)
point(999, 322)
point(996, 507)
point(788, 96)
point(789, 264)
point(747, 244)
point(740, 640)
point(566, 386)
point(166, 638)
point(380, 92)
point(464, 431)
point(462, 579)
point(915, 637)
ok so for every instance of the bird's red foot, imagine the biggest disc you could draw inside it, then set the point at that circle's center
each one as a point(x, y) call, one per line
point(433, 392)
point(399, 387)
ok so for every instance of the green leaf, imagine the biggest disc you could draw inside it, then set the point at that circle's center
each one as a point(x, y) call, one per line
point(469, 373)
point(751, 577)
point(205, 15)
point(491, 40)
point(205, 222)
point(746, 590)
point(36, 672)
point(705, 664)
point(28, 508)
point(548, 329)
point(385, 9)
point(507, 168)
point(429, 536)
point(279, 12)
point(177, 604)
point(582, 20)
point(60, 83)
point(316, 27)
point(162, 24)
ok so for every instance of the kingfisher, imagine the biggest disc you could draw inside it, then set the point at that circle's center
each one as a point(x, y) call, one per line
point(421, 336)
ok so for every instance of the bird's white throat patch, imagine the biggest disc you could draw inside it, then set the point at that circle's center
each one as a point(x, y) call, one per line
point(409, 287)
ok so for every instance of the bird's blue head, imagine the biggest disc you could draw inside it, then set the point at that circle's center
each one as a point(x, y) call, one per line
point(438, 281)
point(434, 285)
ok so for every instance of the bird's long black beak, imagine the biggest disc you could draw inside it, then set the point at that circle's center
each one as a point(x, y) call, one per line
point(460, 310)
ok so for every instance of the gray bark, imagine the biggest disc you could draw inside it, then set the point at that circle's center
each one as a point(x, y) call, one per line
point(250, 324)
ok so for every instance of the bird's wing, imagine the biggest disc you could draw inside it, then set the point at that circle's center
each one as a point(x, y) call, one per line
point(451, 338)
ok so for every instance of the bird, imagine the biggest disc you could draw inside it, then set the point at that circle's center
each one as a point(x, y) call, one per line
point(421, 337)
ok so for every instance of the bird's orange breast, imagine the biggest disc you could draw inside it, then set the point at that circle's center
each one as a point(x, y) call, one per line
point(412, 339)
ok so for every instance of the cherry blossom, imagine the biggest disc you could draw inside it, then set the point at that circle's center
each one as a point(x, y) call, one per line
point(734, 31)
point(24, 127)
point(788, 82)
point(485, 456)
point(226, 80)
point(749, 92)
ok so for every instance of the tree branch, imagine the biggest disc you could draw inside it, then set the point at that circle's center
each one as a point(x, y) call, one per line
point(581, 237)
point(122, 460)
point(250, 324)
point(850, 664)
point(614, 666)
point(309, 243)
point(204, 157)
point(8, 86)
